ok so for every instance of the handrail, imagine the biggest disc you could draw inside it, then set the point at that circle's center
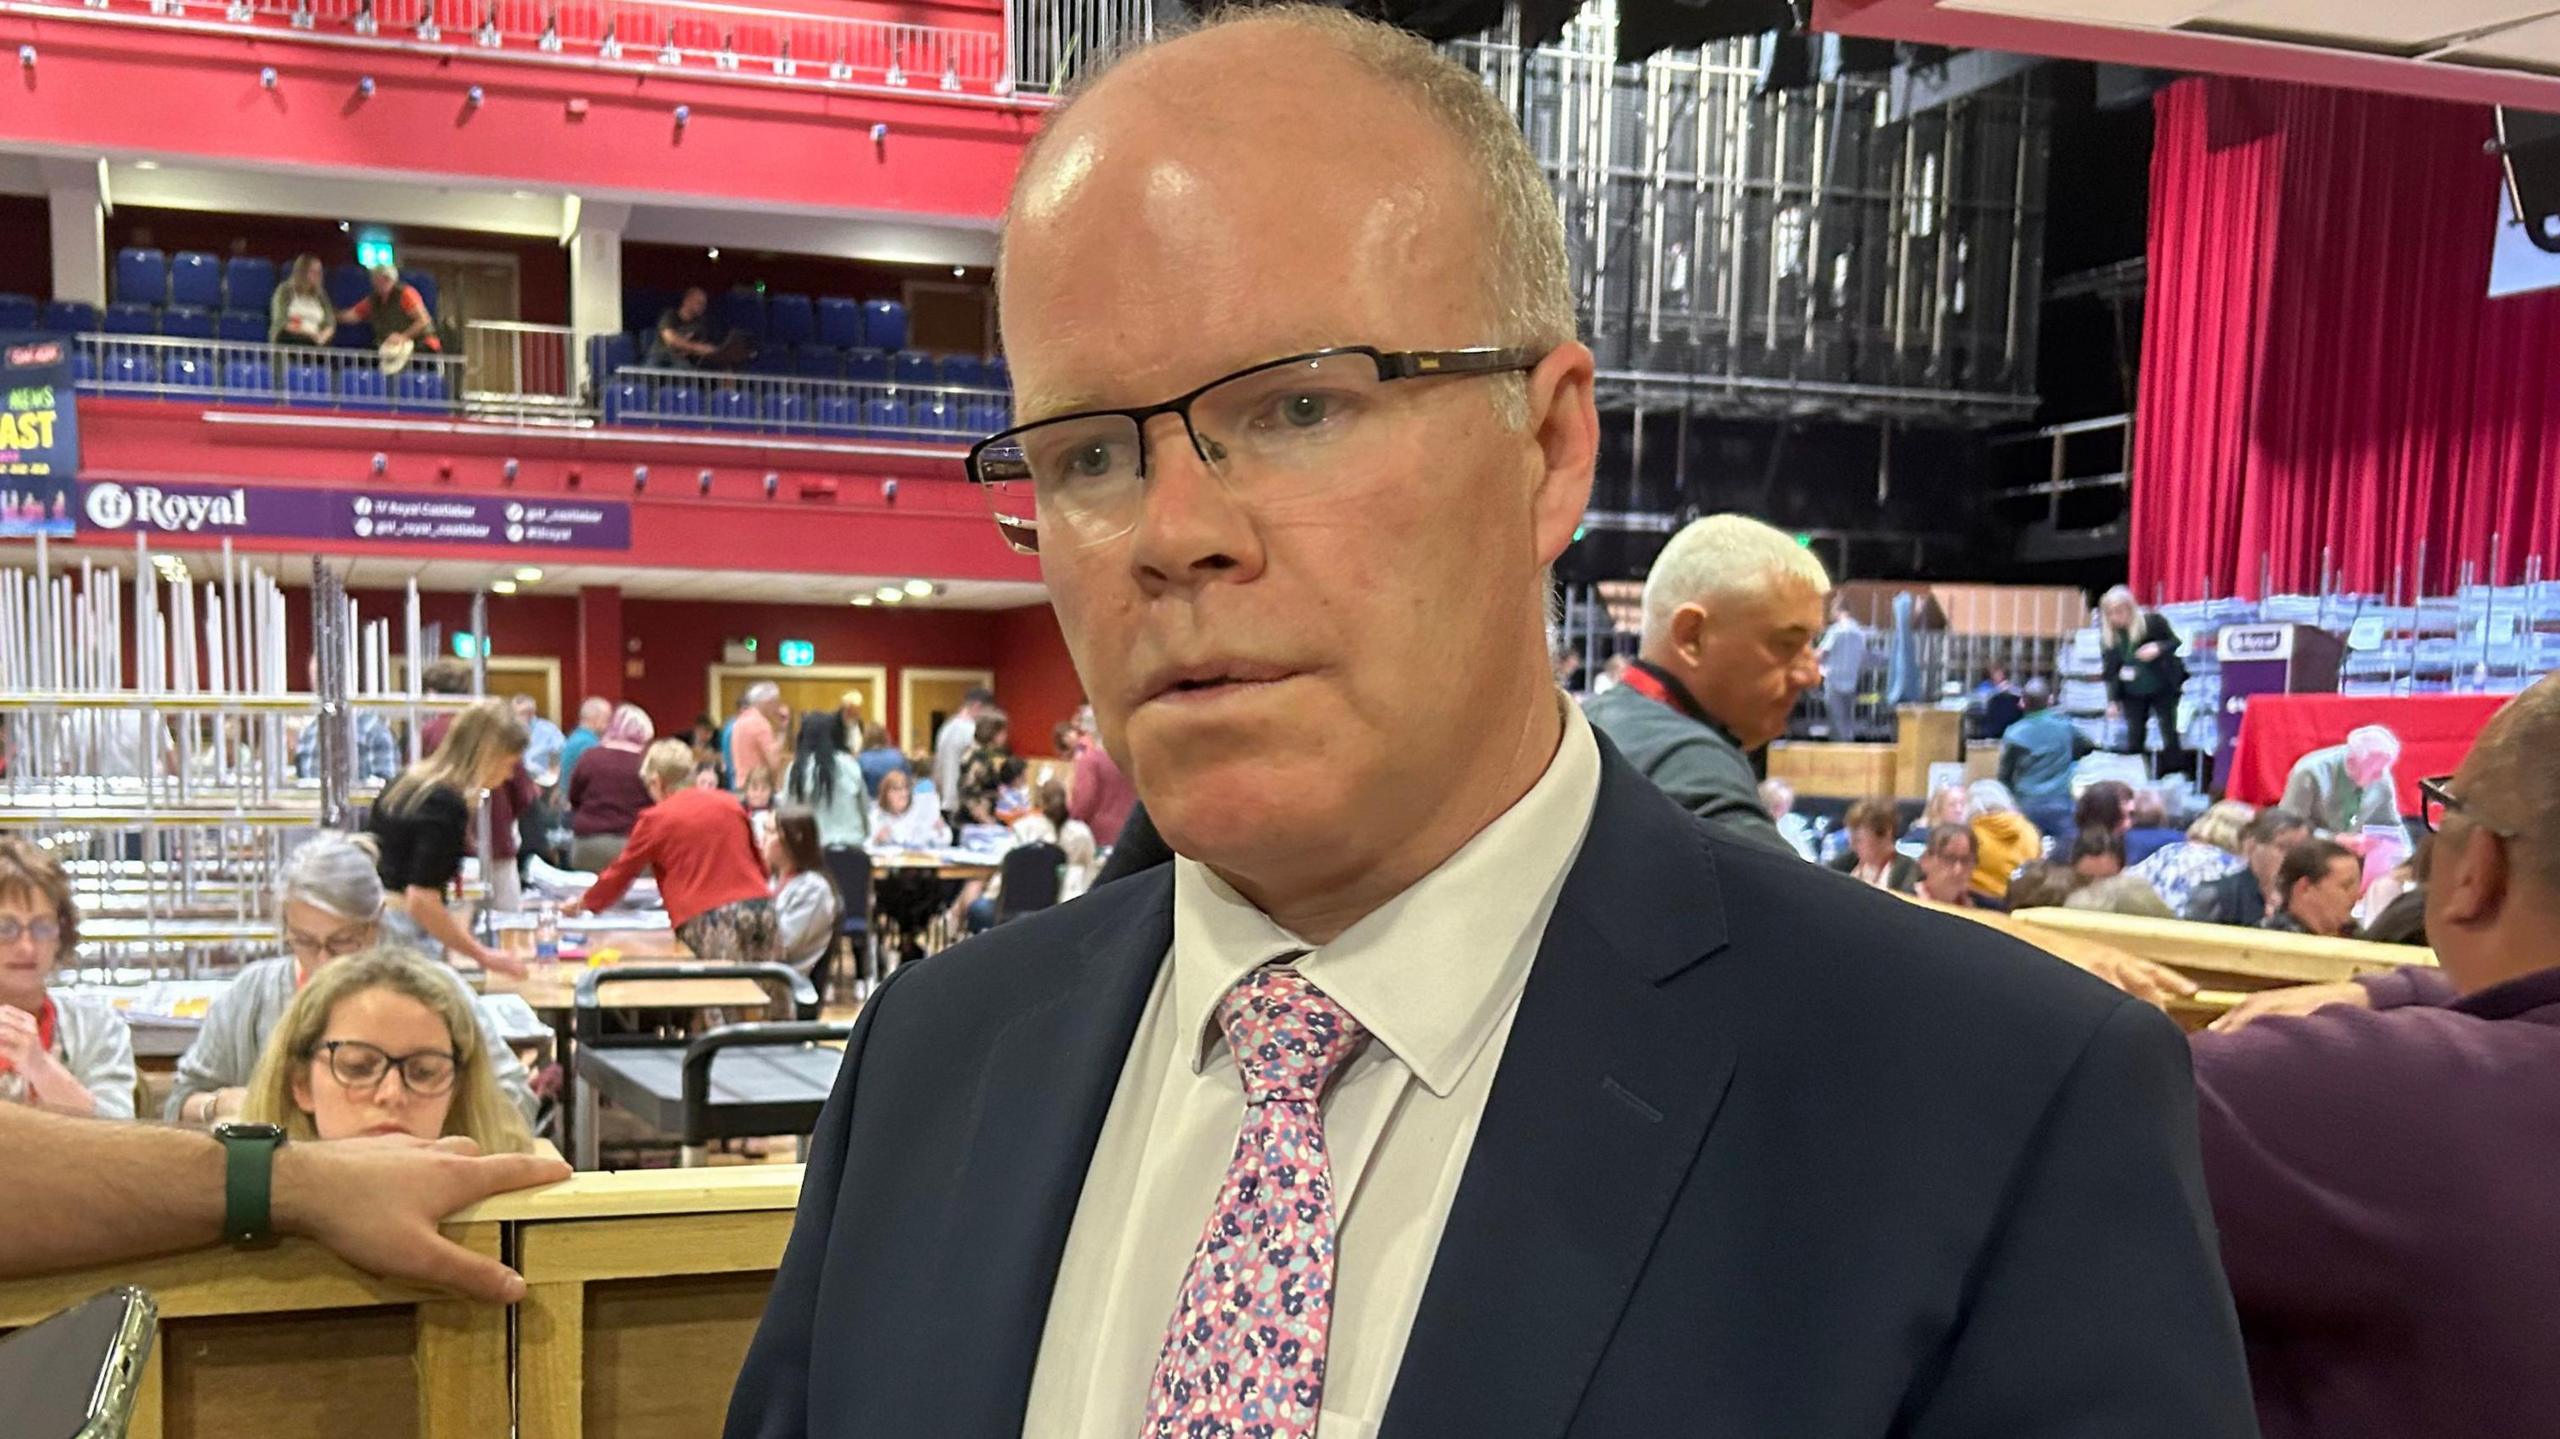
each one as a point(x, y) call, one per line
point(713, 40)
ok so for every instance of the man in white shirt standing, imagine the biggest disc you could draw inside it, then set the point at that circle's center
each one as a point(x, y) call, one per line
point(1450, 1080)
point(951, 747)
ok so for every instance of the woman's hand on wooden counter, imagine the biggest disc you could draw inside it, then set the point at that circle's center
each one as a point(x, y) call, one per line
point(376, 1203)
point(2149, 981)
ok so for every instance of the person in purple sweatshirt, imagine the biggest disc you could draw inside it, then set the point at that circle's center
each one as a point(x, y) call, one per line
point(2384, 1155)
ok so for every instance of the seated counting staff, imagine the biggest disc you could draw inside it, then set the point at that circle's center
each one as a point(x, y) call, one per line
point(422, 826)
point(383, 1043)
point(2382, 1155)
point(1947, 866)
point(807, 911)
point(69, 1053)
point(332, 900)
point(2317, 886)
point(1872, 857)
point(701, 846)
point(2243, 896)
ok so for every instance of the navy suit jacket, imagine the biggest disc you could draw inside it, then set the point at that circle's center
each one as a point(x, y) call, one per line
point(1769, 1155)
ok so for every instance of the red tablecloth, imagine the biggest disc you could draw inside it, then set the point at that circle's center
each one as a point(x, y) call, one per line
point(2435, 733)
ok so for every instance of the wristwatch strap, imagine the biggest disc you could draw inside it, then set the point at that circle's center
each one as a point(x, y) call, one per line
point(249, 1156)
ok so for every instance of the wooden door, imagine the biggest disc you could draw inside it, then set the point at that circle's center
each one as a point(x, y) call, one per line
point(944, 318)
point(818, 687)
point(928, 697)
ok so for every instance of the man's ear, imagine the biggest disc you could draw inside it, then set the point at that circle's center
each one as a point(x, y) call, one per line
point(1689, 632)
point(2472, 876)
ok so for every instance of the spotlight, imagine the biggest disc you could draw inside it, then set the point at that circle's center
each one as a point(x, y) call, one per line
point(510, 470)
point(891, 595)
point(502, 587)
point(475, 97)
point(381, 462)
point(889, 491)
point(959, 272)
point(364, 87)
point(528, 576)
point(772, 484)
point(713, 253)
point(27, 56)
point(684, 116)
point(267, 78)
point(702, 482)
point(344, 227)
point(864, 600)
point(921, 589)
point(639, 478)
point(880, 132)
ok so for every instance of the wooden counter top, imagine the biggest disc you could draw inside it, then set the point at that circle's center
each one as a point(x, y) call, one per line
point(631, 1192)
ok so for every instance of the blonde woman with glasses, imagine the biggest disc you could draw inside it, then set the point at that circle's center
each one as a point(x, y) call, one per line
point(422, 826)
point(382, 1043)
point(332, 903)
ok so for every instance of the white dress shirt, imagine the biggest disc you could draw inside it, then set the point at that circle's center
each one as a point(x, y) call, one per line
point(1435, 976)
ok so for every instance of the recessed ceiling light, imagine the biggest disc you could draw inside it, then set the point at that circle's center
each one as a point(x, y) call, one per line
point(920, 588)
point(502, 587)
point(522, 195)
point(864, 600)
point(891, 595)
point(529, 575)
point(146, 164)
point(959, 272)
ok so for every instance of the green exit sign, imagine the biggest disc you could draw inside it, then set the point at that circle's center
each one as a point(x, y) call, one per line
point(798, 654)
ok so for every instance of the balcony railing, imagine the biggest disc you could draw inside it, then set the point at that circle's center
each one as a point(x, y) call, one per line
point(520, 371)
point(517, 375)
point(648, 36)
point(234, 373)
point(940, 414)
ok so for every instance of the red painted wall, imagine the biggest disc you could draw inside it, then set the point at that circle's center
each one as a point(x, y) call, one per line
point(936, 528)
point(1036, 679)
point(542, 266)
point(26, 246)
point(132, 91)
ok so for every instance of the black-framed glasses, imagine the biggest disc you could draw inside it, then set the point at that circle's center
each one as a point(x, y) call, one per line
point(335, 946)
point(42, 931)
point(1295, 425)
point(359, 1065)
point(2436, 799)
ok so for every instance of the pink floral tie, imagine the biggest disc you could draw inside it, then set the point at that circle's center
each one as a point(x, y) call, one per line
point(1244, 1355)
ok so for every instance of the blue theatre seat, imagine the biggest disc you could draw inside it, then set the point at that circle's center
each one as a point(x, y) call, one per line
point(966, 372)
point(884, 325)
point(132, 366)
point(129, 318)
point(606, 354)
point(839, 413)
point(242, 327)
point(71, 317)
point(818, 362)
point(624, 401)
point(195, 278)
point(357, 336)
point(17, 312)
point(840, 322)
point(306, 383)
point(425, 285)
point(787, 411)
point(677, 404)
point(347, 284)
point(142, 277)
point(361, 387)
point(911, 368)
point(249, 283)
point(84, 365)
point(867, 366)
point(421, 389)
point(737, 312)
point(789, 319)
point(193, 322)
point(885, 419)
point(249, 381)
point(999, 374)
point(188, 367)
point(733, 409)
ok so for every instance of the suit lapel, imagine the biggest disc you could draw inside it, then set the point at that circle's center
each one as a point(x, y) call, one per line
point(1042, 1098)
point(1607, 1088)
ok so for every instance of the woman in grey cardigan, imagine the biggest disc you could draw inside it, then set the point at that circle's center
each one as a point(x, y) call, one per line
point(332, 903)
point(299, 312)
point(69, 1053)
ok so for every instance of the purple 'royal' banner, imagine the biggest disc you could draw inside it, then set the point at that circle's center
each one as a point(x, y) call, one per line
point(109, 507)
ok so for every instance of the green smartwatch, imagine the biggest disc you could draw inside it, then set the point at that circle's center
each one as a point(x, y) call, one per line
point(249, 1157)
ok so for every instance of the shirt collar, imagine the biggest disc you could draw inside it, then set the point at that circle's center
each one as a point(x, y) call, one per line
point(2514, 998)
point(1430, 973)
point(1663, 687)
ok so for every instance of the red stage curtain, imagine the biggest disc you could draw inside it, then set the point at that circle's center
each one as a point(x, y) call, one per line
point(2322, 367)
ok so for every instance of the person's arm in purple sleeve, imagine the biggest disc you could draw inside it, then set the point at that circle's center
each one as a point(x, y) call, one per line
point(2323, 1203)
point(2409, 984)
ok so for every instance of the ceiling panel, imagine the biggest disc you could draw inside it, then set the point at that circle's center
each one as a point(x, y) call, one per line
point(2147, 14)
point(2375, 24)
point(2535, 45)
